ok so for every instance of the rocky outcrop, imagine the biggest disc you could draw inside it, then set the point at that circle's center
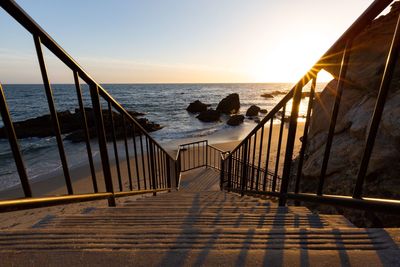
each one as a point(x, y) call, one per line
point(356, 109)
point(235, 120)
point(197, 106)
point(209, 115)
point(266, 95)
point(253, 111)
point(71, 124)
point(230, 104)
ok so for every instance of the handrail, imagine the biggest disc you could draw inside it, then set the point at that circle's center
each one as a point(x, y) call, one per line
point(15, 11)
point(153, 166)
point(239, 175)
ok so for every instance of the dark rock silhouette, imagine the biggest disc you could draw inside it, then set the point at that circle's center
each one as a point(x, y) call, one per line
point(230, 104)
point(197, 106)
point(71, 124)
point(235, 120)
point(264, 111)
point(253, 110)
point(266, 95)
point(209, 115)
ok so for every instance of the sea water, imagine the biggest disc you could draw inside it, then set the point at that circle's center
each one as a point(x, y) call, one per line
point(164, 104)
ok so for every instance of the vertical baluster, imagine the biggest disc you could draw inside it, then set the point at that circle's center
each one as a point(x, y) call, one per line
point(278, 153)
point(85, 131)
point(230, 172)
point(94, 93)
point(114, 140)
point(244, 168)
point(201, 160)
point(305, 135)
point(163, 167)
point(149, 159)
point(290, 144)
point(206, 150)
point(387, 76)
point(152, 162)
point(253, 160)
point(335, 112)
point(128, 160)
point(168, 164)
point(259, 157)
point(53, 113)
point(12, 139)
point(144, 156)
point(271, 127)
point(159, 168)
point(136, 157)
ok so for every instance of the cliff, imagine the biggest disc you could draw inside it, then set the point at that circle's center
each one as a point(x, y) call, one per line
point(367, 60)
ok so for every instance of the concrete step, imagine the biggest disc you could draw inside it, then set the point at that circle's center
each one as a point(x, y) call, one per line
point(201, 257)
point(195, 210)
point(180, 220)
point(218, 238)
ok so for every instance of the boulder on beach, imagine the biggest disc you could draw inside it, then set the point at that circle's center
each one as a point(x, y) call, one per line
point(210, 115)
point(266, 95)
point(197, 106)
point(253, 111)
point(230, 104)
point(235, 120)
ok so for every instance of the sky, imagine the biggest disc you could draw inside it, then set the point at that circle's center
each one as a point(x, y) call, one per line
point(171, 41)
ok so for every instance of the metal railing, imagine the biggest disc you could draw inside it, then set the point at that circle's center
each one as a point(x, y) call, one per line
point(199, 154)
point(149, 168)
point(263, 162)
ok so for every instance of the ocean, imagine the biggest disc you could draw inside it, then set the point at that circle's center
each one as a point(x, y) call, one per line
point(164, 104)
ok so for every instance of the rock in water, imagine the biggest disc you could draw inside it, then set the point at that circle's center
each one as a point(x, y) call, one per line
point(235, 120)
point(264, 111)
point(266, 95)
point(253, 111)
point(197, 106)
point(230, 104)
point(209, 115)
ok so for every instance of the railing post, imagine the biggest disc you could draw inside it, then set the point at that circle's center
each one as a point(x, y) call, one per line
point(168, 171)
point(101, 135)
point(53, 113)
point(12, 139)
point(222, 174)
point(290, 144)
point(379, 106)
point(335, 112)
point(229, 172)
point(244, 169)
point(206, 154)
point(152, 168)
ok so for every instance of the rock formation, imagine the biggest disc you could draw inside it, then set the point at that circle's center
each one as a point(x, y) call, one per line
point(253, 111)
point(360, 90)
point(235, 120)
point(266, 95)
point(209, 115)
point(230, 104)
point(71, 124)
point(197, 106)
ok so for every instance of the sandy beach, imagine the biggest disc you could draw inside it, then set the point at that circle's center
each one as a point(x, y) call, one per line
point(54, 183)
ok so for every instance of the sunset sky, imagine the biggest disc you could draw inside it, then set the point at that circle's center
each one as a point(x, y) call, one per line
point(171, 41)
